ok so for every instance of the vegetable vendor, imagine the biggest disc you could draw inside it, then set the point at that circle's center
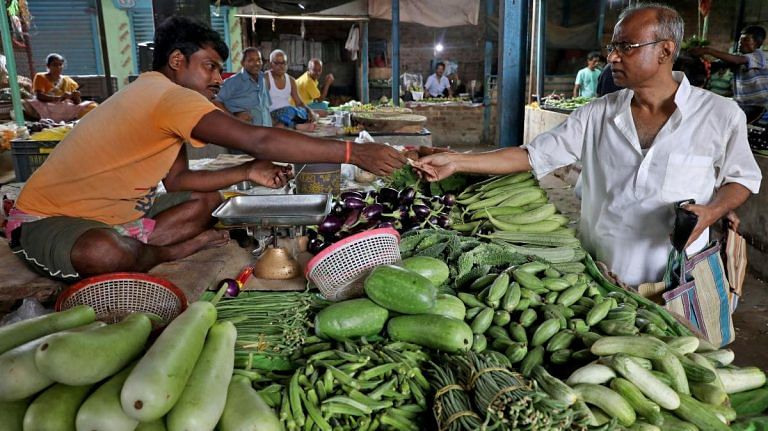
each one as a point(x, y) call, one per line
point(750, 79)
point(56, 95)
point(656, 142)
point(93, 207)
point(245, 95)
point(437, 83)
point(308, 85)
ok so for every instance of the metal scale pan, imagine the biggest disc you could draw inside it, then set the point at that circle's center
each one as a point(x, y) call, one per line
point(274, 210)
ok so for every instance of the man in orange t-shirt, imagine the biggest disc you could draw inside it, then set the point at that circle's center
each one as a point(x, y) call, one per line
point(92, 208)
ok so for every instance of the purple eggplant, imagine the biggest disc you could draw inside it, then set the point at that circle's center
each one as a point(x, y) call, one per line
point(406, 196)
point(330, 224)
point(387, 195)
point(315, 246)
point(433, 220)
point(421, 212)
point(443, 221)
point(311, 233)
point(449, 199)
point(386, 224)
point(350, 194)
point(352, 218)
point(353, 203)
point(373, 211)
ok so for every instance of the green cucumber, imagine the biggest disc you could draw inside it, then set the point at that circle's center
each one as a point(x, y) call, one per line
point(528, 316)
point(482, 321)
point(448, 306)
point(400, 290)
point(533, 358)
point(516, 352)
point(433, 331)
point(56, 408)
point(528, 280)
point(351, 319)
point(246, 410)
point(19, 333)
point(572, 294)
point(498, 288)
point(102, 411)
point(517, 332)
point(561, 340)
point(12, 414)
point(561, 356)
point(511, 297)
point(157, 381)
point(598, 313)
point(202, 401)
point(483, 281)
point(501, 317)
point(20, 376)
point(470, 300)
point(434, 270)
point(479, 343)
point(79, 358)
point(545, 331)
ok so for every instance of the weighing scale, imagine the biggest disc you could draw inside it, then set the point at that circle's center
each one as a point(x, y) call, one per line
point(275, 222)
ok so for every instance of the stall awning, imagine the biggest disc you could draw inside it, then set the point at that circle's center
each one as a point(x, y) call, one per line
point(432, 13)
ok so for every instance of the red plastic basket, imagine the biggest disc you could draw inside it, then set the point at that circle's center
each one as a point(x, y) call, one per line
point(113, 296)
point(339, 269)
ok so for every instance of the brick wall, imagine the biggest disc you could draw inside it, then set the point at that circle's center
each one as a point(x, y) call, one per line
point(462, 44)
point(455, 125)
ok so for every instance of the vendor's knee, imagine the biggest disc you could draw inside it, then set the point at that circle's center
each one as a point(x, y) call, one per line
point(100, 251)
point(208, 201)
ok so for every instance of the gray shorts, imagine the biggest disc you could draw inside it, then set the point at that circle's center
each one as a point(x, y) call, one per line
point(45, 245)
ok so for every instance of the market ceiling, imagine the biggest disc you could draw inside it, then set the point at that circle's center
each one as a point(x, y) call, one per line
point(286, 7)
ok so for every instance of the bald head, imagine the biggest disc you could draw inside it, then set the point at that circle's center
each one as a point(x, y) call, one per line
point(667, 23)
point(315, 68)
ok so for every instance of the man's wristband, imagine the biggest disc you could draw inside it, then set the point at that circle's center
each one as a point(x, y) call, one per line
point(348, 152)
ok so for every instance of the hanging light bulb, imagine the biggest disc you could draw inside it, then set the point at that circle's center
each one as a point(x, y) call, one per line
point(301, 6)
point(439, 47)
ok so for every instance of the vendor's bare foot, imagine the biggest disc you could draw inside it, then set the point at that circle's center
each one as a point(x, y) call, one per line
point(213, 238)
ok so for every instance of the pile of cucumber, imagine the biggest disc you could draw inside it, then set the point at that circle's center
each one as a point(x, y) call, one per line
point(423, 317)
point(64, 371)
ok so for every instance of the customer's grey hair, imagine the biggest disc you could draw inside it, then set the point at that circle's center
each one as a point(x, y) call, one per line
point(313, 61)
point(670, 24)
point(275, 53)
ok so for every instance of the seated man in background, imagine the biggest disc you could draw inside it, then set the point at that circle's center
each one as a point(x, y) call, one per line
point(93, 206)
point(287, 108)
point(56, 95)
point(308, 83)
point(750, 77)
point(245, 94)
point(437, 83)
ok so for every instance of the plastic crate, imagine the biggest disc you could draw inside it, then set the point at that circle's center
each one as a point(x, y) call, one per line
point(28, 156)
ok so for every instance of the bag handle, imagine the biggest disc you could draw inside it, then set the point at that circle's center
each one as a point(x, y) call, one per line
point(675, 261)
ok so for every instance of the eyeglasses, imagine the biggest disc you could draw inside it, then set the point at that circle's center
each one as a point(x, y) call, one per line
point(624, 48)
point(279, 63)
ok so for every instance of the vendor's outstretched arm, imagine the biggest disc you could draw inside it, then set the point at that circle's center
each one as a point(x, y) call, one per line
point(504, 161)
point(282, 145)
point(728, 198)
point(721, 55)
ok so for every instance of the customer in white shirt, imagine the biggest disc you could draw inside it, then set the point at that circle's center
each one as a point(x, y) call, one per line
point(656, 142)
point(437, 83)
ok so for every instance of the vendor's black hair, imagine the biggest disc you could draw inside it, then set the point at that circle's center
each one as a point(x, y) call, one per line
point(186, 35)
point(757, 33)
point(53, 56)
point(594, 54)
point(440, 64)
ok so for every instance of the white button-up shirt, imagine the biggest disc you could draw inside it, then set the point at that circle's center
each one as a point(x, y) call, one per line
point(627, 202)
point(436, 86)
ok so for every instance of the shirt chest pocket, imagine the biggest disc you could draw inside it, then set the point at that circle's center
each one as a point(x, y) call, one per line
point(688, 176)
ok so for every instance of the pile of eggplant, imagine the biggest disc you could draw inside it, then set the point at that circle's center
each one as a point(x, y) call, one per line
point(403, 210)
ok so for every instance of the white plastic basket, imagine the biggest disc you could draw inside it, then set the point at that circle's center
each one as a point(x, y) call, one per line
point(113, 296)
point(338, 271)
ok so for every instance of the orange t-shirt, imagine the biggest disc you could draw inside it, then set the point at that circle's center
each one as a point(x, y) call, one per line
point(108, 167)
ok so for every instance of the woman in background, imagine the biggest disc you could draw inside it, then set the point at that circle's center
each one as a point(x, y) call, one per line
point(56, 95)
